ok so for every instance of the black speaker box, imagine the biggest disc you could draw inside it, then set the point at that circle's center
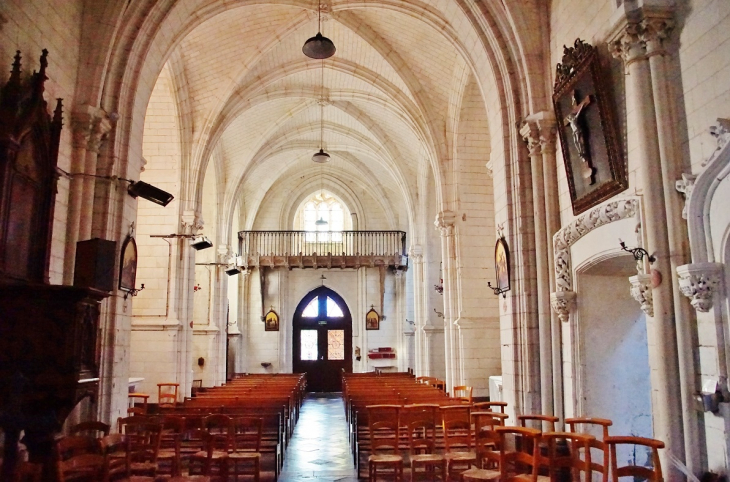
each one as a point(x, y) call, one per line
point(95, 264)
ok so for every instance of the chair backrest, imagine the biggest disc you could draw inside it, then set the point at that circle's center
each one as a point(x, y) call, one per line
point(546, 422)
point(420, 421)
point(384, 428)
point(92, 428)
point(486, 438)
point(456, 423)
point(81, 467)
point(111, 445)
point(74, 445)
point(463, 393)
point(653, 473)
point(220, 428)
point(247, 434)
point(519, 449)
point(568, 452)
point(490, 406)
point(143, 440)
point(592, 426)
point(167, 394)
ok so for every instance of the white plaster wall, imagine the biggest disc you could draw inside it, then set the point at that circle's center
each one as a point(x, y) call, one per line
point(154, 358)
point(615, 365)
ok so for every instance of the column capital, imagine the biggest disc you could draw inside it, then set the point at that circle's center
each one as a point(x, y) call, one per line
point(191, 222)
point(545, 127)
point(530, 133)
point(445, 221)
point(627, 44)
point(654, 30)
point(641, 292)
point(90, 126)
point(698, 282)
point(563, 302)
point(639, 32)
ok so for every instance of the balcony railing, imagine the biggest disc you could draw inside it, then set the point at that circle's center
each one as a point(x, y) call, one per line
point(307, 248)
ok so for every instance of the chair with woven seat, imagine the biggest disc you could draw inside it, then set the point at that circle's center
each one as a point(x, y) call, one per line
point(384, 429)
point(137, 403)
point(519, 454)
point(568, 456)
point(421, 421)
point(245, 457)
point(651, 474)
point(458, 441)
point(486, 445)
point(143, 444)
point(219, 428)
point(116, 457)
point(92, 429)
point(167, 395)
point(169, 456)
point(490, 406)
point(463, 393)
point(593, 426)
point(82, 468)
point(201, 460)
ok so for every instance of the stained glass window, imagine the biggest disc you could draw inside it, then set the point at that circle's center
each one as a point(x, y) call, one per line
point(335, 344)
point(309, 345)
point(333, 309)
point(312, 309)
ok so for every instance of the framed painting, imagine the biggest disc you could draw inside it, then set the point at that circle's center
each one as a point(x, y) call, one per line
point(372, 320)
point(128, 265)
point(501, 267)
point(588, 135)
point(271, 321)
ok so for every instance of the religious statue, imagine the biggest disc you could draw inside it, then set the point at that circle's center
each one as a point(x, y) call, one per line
point(579, 136)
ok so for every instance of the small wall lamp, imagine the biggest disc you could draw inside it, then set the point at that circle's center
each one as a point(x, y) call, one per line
point(638, 253)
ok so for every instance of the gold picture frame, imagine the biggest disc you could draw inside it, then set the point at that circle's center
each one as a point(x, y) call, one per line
point(372, 320)
point(271, 321)
point(128, 265)
point(587, 130)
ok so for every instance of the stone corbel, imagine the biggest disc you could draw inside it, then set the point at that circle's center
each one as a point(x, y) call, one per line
point(444, 222)
point(698, 282)
point(641, 292)
point(563, 303)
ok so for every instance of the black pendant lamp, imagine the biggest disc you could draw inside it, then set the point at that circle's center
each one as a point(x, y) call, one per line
point(321, 157)
point(319, 46)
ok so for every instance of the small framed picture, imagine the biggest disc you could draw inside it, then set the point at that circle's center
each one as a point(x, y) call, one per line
point(372, 320)
point(271, 321)
point(128, 265)
point(501, 267)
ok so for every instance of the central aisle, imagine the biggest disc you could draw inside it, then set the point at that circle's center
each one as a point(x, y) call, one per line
point(319, 449)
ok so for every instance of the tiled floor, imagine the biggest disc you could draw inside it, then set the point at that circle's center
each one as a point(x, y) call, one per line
point(319, 450)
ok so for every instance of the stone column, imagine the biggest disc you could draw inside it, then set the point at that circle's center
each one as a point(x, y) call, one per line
point(444, 222)
point(419, 309)
point(399, 319)
point(666, 397)
point(90, 128)
point(191, 223)
point(531, 134)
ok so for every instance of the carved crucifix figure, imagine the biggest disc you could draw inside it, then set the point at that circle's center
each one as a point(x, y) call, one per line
point(579, 135)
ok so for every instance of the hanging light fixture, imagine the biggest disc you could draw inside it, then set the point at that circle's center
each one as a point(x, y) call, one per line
point(321, 221)
point(319, 46)
point(321, 157)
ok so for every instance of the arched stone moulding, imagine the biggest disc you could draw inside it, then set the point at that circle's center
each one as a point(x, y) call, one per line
point(563, 301)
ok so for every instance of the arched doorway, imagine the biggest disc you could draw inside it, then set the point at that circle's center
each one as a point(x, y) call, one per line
point(322, 339)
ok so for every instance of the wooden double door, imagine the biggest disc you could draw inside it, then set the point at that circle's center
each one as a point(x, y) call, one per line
point(322, 338)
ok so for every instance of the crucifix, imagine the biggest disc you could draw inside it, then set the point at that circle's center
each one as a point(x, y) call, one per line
point(579, 134)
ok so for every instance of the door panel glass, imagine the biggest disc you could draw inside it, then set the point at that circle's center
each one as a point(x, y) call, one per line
point(309, 349)
point(312, 309)
point(335, 344)
point(333, 309)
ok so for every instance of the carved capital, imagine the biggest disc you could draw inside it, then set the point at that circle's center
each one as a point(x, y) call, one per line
point(191, 222)
point(653, 33)
point(721, 132)
point(444, 222)
point(641, 292)
point(546, 129)
point(698, 282)
point(563, 303)
point(627, 44)
point(685, 186)
point(91, 127)
point(530, 133)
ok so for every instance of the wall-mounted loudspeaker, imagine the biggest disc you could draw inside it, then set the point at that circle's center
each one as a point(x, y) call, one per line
point(95, 264)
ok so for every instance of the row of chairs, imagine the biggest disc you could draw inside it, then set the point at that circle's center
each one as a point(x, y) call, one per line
point(148, 446)
point(478, 446)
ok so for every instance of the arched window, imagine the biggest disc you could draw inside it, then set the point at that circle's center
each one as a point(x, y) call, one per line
point(332, 215)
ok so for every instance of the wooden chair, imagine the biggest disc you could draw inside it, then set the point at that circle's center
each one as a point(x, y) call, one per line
point(201, 460)
point(28, 472)
point(652, 474)
point(245, 458)
point(116, 457)
point(421, 421)
point(73, 445)
point(92, 429)
point(384, 429)
point(133, 400)
point(458, 442)
point(519, 452)
point(587, 425)
point(83, 467)
point(486, 443)
point(167, 394)
point(219, 428)
point(463, 393)
point(490, 406)
point(143, 445)
point(542, 420)
point(169, 457)
point(568, 456)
